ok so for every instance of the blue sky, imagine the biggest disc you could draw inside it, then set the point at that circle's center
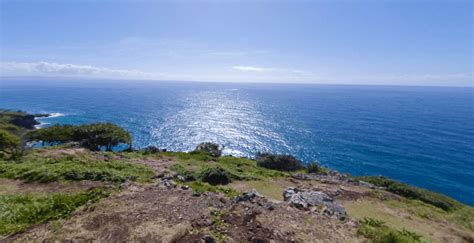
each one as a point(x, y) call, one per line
point(352, 42)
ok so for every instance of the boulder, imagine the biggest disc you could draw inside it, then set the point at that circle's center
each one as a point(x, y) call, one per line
point(254, 197)
point(305, 199)
point(247, 196)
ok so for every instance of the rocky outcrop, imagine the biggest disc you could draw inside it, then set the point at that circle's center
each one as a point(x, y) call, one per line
point(306, 199)
point(254, 197)
point(26, 121)
point(332, 177)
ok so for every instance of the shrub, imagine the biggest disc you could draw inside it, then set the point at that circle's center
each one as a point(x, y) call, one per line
point(188, 175)
point(151, 150)
point(411, 192)
point(8, 143)
point(278, 162)
point(215, 175)
point(314, 167)
point(212, 149)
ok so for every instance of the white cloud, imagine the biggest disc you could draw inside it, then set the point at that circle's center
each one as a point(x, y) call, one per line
point(52, 68)
point(252, 69)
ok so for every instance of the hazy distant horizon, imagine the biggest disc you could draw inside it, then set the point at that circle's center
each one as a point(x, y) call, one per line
point(144, 81)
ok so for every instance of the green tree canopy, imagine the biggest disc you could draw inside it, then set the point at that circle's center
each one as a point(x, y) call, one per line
point(92, 136)
point(96, 136)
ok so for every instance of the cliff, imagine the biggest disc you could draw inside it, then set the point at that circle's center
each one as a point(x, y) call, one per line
point(71, 193)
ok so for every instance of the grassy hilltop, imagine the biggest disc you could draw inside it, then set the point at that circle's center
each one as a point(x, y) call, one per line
point(78, 189)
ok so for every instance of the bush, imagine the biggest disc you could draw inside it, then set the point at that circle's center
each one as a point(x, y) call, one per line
point(188, 175)
point(215, 175)
point(278, 162)
point(411, 192)
point(212, 149)
point(151, 150)
point(314, 167)
point(9, 143)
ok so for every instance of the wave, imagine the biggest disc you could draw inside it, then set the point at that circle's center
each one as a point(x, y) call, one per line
point(42, 124)
point(54, 114)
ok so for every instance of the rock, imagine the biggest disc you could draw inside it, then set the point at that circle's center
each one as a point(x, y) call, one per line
point(184, 187)
point(366, 184)
point(168, 183)
point(207, 239)
point(248, 196)
point(305, 199)
point(254, 197)
point(26, 121)
point(181, 178)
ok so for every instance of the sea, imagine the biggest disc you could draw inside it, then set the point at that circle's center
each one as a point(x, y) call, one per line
point(423, 136)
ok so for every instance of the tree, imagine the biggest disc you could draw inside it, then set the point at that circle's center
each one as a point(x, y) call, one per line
point(92, 136)
point(100, 135)
point(9, 143)
point(53, 135)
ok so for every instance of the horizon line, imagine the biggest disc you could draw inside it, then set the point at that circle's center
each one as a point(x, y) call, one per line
point(70, 78)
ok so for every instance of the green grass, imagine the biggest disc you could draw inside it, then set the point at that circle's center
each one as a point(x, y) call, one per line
point(201, 187)
point(240, 168)
point(19, 211)
point(463, 215)
point(194, 165)
point(191, 156)
point(411, 192)
point(378, 232)
point(72, 167)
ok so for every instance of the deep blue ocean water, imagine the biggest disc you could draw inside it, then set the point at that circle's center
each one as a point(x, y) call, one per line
point(420, 135)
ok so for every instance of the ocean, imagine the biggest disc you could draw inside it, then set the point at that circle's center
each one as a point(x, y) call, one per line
point(419, 135)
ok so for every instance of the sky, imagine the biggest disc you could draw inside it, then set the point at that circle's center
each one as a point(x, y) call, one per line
point(394, 42)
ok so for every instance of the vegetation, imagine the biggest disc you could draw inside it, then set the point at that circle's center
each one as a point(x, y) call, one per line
point(216, 175)
point(182, 171)
point(314, 167)
point(151, 150)
point(19, 211)
point(278, 162)
point(192, 164)
point(212, 149)
point(411, 192)
point(378, 232)
point(9, 144)
point(92, 136)
point(43, 169)
point(201, 187)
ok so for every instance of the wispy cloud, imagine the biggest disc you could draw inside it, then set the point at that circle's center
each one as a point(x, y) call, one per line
point(253, 69)
point(52, 68)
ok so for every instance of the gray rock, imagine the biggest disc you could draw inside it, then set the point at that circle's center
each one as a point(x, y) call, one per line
point(181, 178)
point(168, 183)
point(207, 239)
point(305, 199)
point(248, 196)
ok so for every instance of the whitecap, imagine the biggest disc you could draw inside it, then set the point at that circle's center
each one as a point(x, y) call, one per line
point(52, 115)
